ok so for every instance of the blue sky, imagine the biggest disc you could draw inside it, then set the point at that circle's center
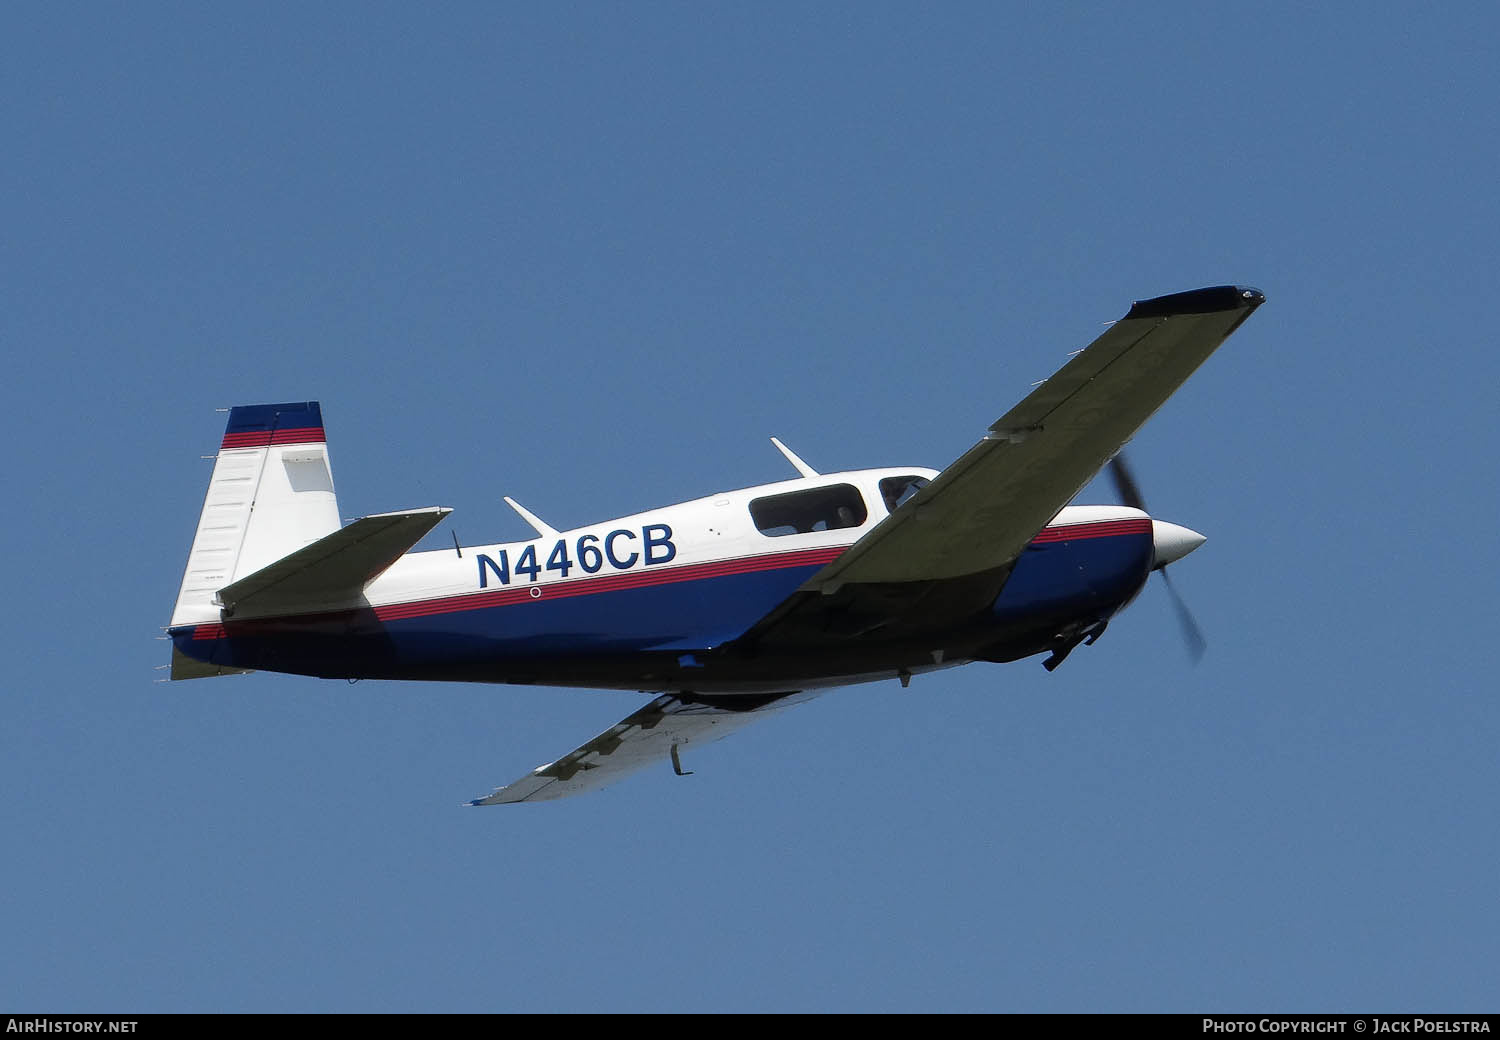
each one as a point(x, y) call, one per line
point(592, 256)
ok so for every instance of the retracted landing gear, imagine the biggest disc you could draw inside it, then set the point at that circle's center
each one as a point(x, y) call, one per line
point(1064, 647)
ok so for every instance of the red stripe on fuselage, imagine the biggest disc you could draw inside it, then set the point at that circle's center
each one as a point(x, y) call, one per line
point(608, 583)
point(1099, 529)
point(516, 594)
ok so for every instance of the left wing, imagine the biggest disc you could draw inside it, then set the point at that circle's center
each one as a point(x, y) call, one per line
point(947, 551)
point(652, 734)
point(980, 512)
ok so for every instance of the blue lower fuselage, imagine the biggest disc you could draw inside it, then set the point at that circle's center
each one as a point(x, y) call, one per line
point(662, 631)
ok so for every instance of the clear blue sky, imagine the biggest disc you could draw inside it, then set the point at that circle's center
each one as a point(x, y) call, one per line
point(591, 256)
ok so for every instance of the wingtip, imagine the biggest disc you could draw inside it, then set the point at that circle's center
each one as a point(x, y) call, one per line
point(1210, 300)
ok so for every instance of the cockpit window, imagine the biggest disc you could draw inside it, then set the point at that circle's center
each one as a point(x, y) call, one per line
point(802, 512)
point(896, 490)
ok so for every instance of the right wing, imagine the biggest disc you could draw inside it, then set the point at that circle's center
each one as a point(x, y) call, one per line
point(650, 735)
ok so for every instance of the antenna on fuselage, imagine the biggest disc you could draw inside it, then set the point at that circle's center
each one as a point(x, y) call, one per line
point(791, 456)
point(531, 518)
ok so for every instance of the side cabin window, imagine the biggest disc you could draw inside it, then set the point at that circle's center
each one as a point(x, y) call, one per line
point(896, 490)
point(802, 512)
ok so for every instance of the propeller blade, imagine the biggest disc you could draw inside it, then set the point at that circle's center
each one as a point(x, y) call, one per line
point(1191, 633)
point(1130, 494)
point(1125, 485)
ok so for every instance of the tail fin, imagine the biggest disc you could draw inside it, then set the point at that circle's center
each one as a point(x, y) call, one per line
point(271, 494)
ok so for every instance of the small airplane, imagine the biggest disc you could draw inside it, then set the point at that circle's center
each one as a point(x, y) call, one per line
point(726, 608)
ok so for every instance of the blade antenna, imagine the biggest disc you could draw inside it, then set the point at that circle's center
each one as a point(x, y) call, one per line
point(791, 456)
point(531, 518)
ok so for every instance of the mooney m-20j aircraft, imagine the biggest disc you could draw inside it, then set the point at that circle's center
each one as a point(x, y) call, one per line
point(726, 608)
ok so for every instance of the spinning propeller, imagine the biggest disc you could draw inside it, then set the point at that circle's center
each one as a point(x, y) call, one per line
point(1171, 543)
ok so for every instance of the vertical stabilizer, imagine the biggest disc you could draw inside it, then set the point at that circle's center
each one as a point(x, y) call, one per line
point(271, 493)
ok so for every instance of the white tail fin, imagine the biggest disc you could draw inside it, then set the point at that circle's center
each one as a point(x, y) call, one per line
point(271, 494)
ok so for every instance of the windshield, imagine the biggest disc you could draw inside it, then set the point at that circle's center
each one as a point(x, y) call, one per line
point(896, 490)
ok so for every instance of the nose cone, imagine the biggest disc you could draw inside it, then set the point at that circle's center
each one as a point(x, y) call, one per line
point(1171, 542)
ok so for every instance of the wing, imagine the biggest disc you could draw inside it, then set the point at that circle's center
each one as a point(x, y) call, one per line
point(974, 519)
point(651, 735)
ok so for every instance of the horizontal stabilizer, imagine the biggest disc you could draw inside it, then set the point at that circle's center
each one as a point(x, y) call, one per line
point(333, 570)
point(185, 667)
